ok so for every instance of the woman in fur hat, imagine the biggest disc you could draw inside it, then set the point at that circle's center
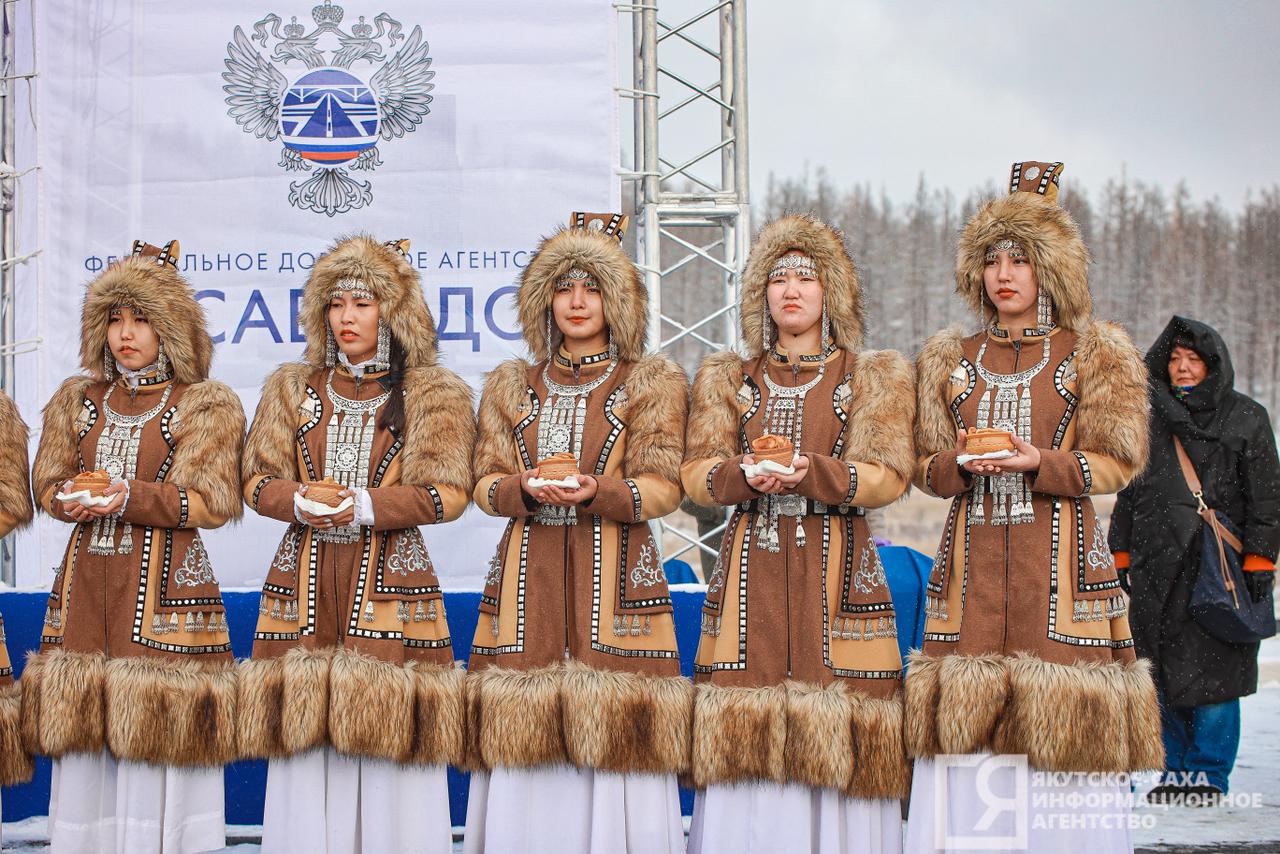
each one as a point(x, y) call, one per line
point(1027, 647)
point(352, 690)
point(15, 513)
point(581, 717)
point(133, 692)
point(797, 728)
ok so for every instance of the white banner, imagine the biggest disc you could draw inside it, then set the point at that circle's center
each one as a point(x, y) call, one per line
point(258, 131)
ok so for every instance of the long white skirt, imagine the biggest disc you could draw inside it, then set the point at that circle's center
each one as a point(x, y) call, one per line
point(773, 817)
point(99, 805)
point(321, 802)
point(990, 805)
point(563, 810)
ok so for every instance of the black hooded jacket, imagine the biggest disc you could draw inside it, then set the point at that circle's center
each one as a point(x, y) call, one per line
point(1229, 439)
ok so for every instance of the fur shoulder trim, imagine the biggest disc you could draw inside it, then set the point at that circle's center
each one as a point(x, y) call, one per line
point(57, 456)
point(841, 290)
point(210, 437)
point(505, 388)
point(1052, 242)
point(439, 433)
point(713, 413)
point(390, 277)
point(1112, 417)
point(626, 302)
point(269, 448)
point(15, 474)
point(935, 426)
point(169, 303)
point(657, 408)
point(882, 411)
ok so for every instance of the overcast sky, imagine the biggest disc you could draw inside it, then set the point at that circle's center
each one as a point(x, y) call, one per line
point(882, 91)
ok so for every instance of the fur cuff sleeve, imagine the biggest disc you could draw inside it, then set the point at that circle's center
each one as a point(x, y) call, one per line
point(269, 449)
point(439, 432)
point(657, 409)
point(15, 484)
point(883, 409)
point(935, 426)
point(209, 437)
point(1111, 418)
point(57, 457)
point(505, 390)
point(714, 412)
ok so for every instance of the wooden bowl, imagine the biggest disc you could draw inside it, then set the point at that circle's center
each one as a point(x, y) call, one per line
point(94, 481)
point(988, 440)
point(325, 492)
point(558, 467)
point(775, 448)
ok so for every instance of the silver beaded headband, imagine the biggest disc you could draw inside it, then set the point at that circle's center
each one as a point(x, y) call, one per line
point(355, 287)
point(802, 264)
point(575, 275)
point(1013, 247)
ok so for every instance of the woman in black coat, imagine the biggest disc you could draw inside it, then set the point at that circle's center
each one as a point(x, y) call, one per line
point(1155, 534)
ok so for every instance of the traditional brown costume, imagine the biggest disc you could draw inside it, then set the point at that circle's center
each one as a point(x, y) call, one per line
point(135, 655)
point(798, 668)
point(351, 648)
point(15, 513)
point(1027, 647)
point(574, 658)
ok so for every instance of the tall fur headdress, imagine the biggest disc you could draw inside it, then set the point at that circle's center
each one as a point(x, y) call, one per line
point(1048, 234)
point(384, 270)
point(149, 282)
point(597, 251)
point(841, 289)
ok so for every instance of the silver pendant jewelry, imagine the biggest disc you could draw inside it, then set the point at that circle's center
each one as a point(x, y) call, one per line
point(347, 448)
point(330, 349)
point(784, 416)
point(382, 359)
point(108, 363)
point(560, 426)
point(1044, 311)
point(162, 361)
point(117, 455)
point(551, 347)
point(1008, 410)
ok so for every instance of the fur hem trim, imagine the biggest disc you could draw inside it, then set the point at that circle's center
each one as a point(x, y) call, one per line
point(1052, 242)
point(517, 717)
point(713, 423)
point(841, 290)
point(401, 713)
point(284, 703)
point(1114, 401)
point(657, 409)
point(505, 389)
point(160, 293)
point(171, 713)
point(16, 765)
point(625, 721)
point(390, 277)
point(824, 736)
point(1080, 717)
point(883, 410)
point(626, 302)
point(935, 425)
point(64, 703)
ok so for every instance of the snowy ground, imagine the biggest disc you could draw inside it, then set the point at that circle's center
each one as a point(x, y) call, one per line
point(1252, 827)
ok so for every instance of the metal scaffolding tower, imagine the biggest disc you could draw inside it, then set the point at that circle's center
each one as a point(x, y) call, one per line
point(690, 180)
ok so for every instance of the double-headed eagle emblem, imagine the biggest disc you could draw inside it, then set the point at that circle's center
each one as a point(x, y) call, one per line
point(321, 102)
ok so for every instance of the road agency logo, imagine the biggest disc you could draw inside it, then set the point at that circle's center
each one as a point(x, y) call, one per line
point(332, 96)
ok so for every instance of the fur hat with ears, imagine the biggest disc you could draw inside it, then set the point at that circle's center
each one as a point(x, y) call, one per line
point(385, 271)
point(1050, 238)
point(148, 281)
point(598, 252)
point(841, 290)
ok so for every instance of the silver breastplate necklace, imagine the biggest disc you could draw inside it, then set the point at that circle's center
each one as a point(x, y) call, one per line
point(117, 455)
point(1010, 495)
point(348, 444)
point(784, 416)
point(560, 426)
